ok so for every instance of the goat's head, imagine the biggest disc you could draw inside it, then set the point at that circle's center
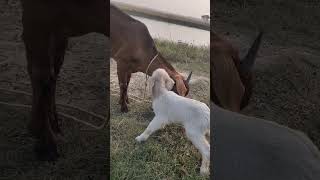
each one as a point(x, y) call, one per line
point(181, 85)
point(161, 76)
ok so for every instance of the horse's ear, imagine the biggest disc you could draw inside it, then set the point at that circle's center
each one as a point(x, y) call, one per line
point(189, 77)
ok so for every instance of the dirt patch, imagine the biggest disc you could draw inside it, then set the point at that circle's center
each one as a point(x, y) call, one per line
point(287, 87)
point(288, 23)
point(288, 91)
point(82, 83)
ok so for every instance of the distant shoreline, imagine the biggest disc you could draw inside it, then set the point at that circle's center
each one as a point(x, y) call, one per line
point(163, 16)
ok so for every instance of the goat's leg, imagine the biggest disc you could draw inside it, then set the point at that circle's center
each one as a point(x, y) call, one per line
point(205, 165)
point(123, 83)
point(200, 142)
point(156, 124)
point(41, 75)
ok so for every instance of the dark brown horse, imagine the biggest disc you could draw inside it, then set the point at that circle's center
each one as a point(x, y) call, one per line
point(47, 25)
point(134, 50)
point(231, 77)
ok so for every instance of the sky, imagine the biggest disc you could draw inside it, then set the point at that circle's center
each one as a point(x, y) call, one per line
point(192, 8)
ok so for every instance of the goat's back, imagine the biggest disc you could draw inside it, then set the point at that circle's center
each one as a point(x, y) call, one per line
point(181, 109)
point(250, 148)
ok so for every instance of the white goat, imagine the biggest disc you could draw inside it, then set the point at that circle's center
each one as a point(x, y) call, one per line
point(172, 108)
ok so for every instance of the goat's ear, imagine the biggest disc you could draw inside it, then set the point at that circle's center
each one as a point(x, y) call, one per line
point(169, 83)
point(151, 82)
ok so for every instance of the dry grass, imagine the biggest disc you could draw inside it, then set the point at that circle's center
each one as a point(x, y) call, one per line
point(287, 22)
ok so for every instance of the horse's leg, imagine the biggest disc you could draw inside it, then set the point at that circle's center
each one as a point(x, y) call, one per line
point(58, 45)
point(126, 93)
point(123, 83)
point(40, 69)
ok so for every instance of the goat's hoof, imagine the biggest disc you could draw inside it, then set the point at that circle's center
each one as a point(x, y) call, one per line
point(124, 109)
point(46, 152)
point(204, 171)
point(140, 139)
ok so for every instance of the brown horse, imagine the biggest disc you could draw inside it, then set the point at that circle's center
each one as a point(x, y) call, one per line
point(47, 25)
point(134, 50)
point(231, 77)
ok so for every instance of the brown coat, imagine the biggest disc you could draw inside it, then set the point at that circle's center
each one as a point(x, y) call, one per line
point(133, 48)
point(231, 78)
point(47, 25)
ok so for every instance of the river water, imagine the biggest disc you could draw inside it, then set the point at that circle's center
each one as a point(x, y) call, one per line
point(173, 32)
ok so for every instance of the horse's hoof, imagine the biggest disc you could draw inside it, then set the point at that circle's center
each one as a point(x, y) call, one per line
point(57, 130)
point(56, 124)
point(124, 109)
point(46, 152)
point(34, 130)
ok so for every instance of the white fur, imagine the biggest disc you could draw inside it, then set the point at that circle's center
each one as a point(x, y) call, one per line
point(172, 108)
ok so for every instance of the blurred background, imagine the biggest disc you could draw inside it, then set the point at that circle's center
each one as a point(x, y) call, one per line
point(170, 31)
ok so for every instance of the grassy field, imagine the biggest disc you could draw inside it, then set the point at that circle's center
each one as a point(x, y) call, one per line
point(186, 57)
point(167, 154)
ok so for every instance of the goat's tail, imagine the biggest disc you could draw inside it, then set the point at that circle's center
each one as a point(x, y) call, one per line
point(208, 120)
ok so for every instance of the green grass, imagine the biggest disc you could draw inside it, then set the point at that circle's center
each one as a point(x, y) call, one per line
point(167, 154)
point(186, 56)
